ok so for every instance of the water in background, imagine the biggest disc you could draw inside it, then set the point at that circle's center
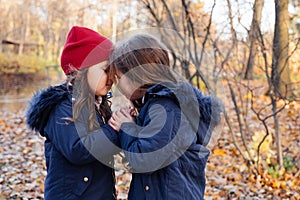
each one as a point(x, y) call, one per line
point(17, 96)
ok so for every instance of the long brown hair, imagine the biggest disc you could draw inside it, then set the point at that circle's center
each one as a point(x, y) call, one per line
point(146, 60)
point(82, 95)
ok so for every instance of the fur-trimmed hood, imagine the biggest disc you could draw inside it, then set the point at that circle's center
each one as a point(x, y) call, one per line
point(41, 105)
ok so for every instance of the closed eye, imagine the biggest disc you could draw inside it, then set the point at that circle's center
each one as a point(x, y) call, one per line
point(106, 70)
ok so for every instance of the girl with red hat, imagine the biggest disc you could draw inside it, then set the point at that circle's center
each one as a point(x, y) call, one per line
point(73, 116)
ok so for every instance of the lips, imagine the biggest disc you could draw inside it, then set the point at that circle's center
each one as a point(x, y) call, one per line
point(108, 85)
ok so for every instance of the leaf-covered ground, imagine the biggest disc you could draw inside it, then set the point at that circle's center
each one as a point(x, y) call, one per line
point(22, 165)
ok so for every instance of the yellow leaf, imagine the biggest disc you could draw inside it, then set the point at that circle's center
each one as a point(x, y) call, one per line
point(219, 152)
point(276, 184)
point(291, 113)
point(283, 185)
point(42, 187)
point(210, 166)
point(248, 96)
point(265, 146)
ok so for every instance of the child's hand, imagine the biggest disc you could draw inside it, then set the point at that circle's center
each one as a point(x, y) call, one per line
point(131, 110)
point(125, 114)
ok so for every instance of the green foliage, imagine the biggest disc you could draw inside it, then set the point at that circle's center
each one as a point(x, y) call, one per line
point(17, 64)
point(288, 163)
point(273, 170)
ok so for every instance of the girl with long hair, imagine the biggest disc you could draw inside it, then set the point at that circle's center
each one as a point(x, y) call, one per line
point(165, 142)
point(73, 116)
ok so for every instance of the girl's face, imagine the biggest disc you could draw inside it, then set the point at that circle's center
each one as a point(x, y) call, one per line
point(125, 85)
point(98, 80)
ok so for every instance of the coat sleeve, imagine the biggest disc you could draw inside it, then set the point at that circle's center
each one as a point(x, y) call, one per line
point(74, 141)
point(160, 140)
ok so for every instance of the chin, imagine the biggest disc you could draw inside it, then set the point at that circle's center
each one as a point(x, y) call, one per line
point(102, 93)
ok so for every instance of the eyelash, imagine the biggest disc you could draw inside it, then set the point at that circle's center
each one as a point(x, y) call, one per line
point(106, 70)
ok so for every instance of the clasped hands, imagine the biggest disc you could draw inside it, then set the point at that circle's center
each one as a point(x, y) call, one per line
point(125, 114)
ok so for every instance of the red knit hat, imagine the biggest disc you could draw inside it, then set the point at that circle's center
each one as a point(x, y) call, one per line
point(84, 48)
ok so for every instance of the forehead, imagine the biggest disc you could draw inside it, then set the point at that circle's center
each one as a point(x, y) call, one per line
point(101, 65)
point(98, 67)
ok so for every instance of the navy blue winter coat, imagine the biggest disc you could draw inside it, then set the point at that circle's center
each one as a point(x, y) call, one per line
point(166, 149)
point(72, 153)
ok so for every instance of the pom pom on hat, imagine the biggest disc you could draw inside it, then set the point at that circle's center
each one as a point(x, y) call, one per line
point(84, 48)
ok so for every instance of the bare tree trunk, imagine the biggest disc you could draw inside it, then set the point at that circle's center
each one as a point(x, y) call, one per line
point(22, 36)
point(253, 36)
point(25, 27)
point(48, 32)
point(280, 63)
point(280, 69)
point(114, 21)
point(234, 45)
point(232, 31)
point(277, 133)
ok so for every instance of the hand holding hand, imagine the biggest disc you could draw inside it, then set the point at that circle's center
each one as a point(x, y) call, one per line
point(123, 115)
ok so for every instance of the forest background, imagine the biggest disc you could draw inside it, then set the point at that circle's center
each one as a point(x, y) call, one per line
point(246, 52)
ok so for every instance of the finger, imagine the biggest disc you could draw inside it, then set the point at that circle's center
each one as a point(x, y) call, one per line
point(110, 122)
point(133, 112)
point(116, 115)
point(113, 117)
point(118, 120)
point(113, 124)
point(125, 112)
point(124, 109)
point(128, 108)
point(127, 118)
point(114, 121)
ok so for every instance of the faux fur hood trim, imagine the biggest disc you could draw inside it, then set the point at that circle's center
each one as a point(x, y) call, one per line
point(42, 104)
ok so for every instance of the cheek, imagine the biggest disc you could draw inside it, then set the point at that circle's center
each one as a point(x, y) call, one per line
point(102, 88)
point(96, 80)
point(93, 82)
point(123, 90)
point(126, 89)
point(102, 82)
